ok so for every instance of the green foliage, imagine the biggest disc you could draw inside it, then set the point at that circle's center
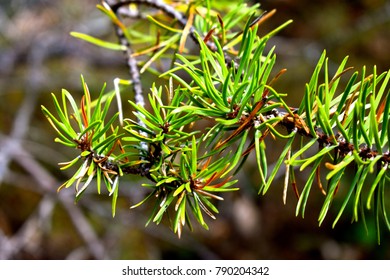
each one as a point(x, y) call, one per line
point(351, 130)
point(197, 132)
point(95, 138)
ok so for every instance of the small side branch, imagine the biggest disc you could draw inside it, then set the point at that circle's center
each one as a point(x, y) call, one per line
point(133, 68)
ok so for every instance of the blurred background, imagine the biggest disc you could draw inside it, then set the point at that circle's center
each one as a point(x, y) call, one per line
point(37, 57)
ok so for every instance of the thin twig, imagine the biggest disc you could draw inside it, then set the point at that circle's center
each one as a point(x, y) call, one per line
point(160, 5)
point(133, 70)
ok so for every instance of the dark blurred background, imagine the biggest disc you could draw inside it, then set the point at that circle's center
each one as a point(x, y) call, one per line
point(37, 57)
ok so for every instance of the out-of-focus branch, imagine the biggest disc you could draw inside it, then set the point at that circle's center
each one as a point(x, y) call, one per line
point(34, 223)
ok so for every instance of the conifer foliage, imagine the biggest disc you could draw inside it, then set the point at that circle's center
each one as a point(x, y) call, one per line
point(216, 106)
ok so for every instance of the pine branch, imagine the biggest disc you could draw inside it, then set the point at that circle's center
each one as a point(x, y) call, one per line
point(233, 90)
